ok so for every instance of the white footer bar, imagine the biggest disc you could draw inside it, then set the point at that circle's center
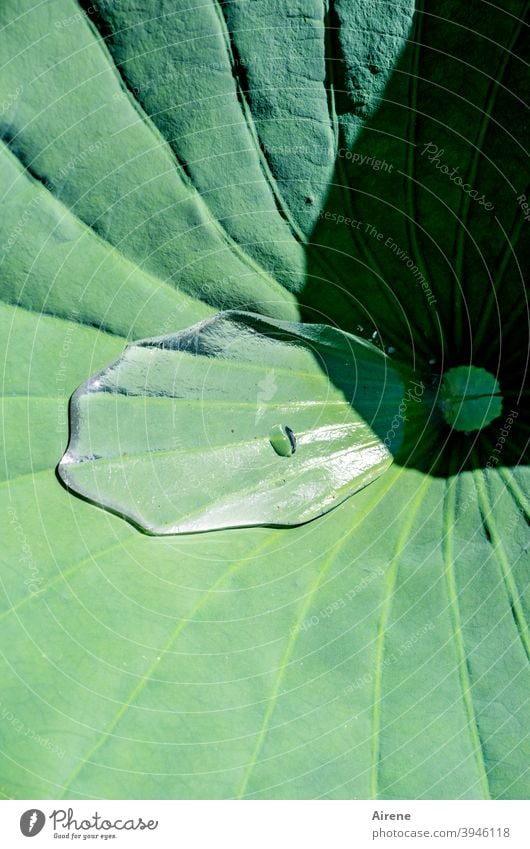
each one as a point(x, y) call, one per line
point(266, 824)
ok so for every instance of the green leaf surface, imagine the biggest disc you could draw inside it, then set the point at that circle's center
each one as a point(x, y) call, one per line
point(160, 165)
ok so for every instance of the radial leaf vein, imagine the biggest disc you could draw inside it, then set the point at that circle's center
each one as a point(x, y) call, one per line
point(139, 687)
point(391, 583)
point(496, 539)
point(449, 517)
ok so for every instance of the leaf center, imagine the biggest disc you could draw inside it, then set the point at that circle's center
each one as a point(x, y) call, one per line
point(470, 398)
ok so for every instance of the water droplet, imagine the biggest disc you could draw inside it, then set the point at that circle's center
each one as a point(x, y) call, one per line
point(391, 349)
point(283, 440)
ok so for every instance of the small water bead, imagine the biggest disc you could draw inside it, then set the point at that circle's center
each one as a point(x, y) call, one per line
point(283, 440)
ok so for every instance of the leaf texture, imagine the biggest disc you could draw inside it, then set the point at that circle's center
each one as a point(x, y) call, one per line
point(162, 165)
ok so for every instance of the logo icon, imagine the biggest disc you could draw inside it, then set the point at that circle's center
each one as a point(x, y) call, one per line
point(32, 822)
point(267, 390)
